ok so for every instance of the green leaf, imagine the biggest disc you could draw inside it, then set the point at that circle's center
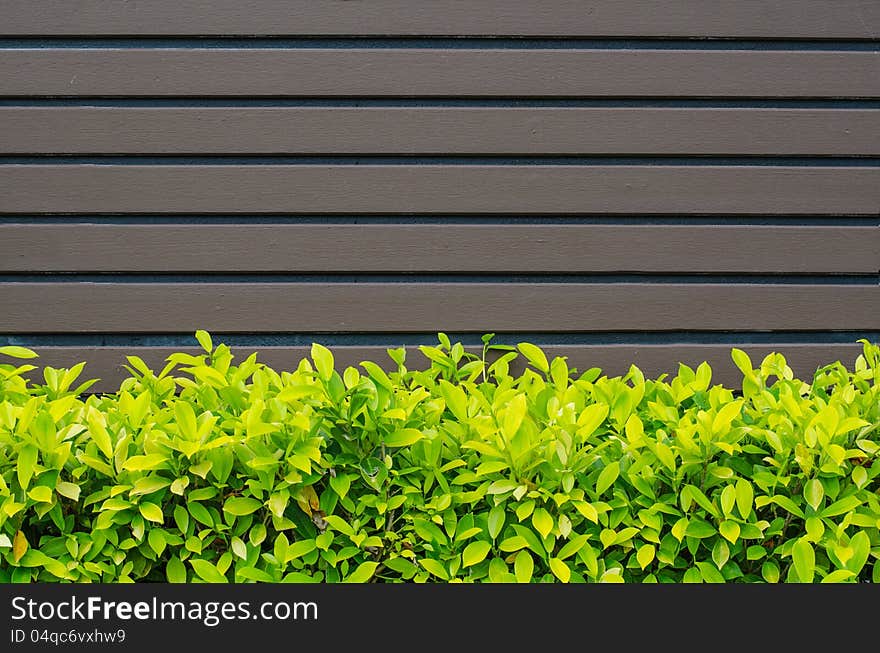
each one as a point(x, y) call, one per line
point(323, 361)
point(403, 438)
point(702, 500)
point(474, 553)
point(710, 573)
point(26, 465)
point(514, 543)
point(179, 485)
point(156, 540)
point(340, 483)
point(542, 521)
point(839, 576)
point(788, 504)
point(500, 487)
point(814, 493)
point(200, 514)
point(18, 352)
point(721, 423)
point(175, 571)
point(495, 521)
point(434, 567)
point(151, 511)
point(300, 548)
point(590, 419)
point(204, 339)
point(745, 496)
point(98, 431)
point(560, 570)
point(742, 361)
point(699, 529)
point(729, 531)
point(804, 560)
point(141, 463)
point(185, 417)
point(607, 477)
point(41, 494)
point(523, 567)
point(534, 355)
point(238, 547)
point(363, 573)
point(842, 506)
point(770, 571)
point(860, 543)
point(239, 506)
point(181, 518)
point(68, 490)
point(645, 555)
point(587, 510)
point(720, 553)
point(207, 572)
point(456, 400)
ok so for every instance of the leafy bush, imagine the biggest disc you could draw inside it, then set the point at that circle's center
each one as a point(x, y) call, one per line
point(464, 472)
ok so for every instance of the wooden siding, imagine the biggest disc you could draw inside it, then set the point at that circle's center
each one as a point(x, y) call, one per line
point(642, 182)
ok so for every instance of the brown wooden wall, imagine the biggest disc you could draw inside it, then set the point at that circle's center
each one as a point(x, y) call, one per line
point(619, 180)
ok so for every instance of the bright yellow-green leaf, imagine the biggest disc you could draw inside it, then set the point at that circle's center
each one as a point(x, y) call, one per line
point(607, 477)
point(204, 339)
point(41, 493)
point(17, 352)
point(804, 560)
point(560, 569)
point(474, 553)
point(151, 511)
point(745, 496)
point(645, 555)
point(725, 416)
point(239, 548)
point(323, 361)
point(542, 521)
point(534, 355)
point(239, 506)
point(185, 417)
point(590, 419)
point(175, 571)
point(587, 510)
point(69, 490)
point(142, 463)
point(495, 521)
point(26, 464)
point(403, 438)
point(839, 576)
point(770, 571)
point(207, 572)
point(363, 573)
point(523, 567)
point(814, 493)
point(156, 540)
point(514, 543)
point(435, 567)
point(730, 531)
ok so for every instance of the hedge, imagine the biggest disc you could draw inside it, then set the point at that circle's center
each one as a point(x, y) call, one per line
point(209, 471)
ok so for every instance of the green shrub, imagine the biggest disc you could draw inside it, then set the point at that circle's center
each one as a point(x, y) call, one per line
point(209, 471)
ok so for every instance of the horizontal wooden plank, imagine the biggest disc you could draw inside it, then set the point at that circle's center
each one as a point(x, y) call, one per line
point(106, 307)
point(402, 248)
point(107, 363)
point(448, 130)
point(859, 19)
point(387, 189)
point(433, 72)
